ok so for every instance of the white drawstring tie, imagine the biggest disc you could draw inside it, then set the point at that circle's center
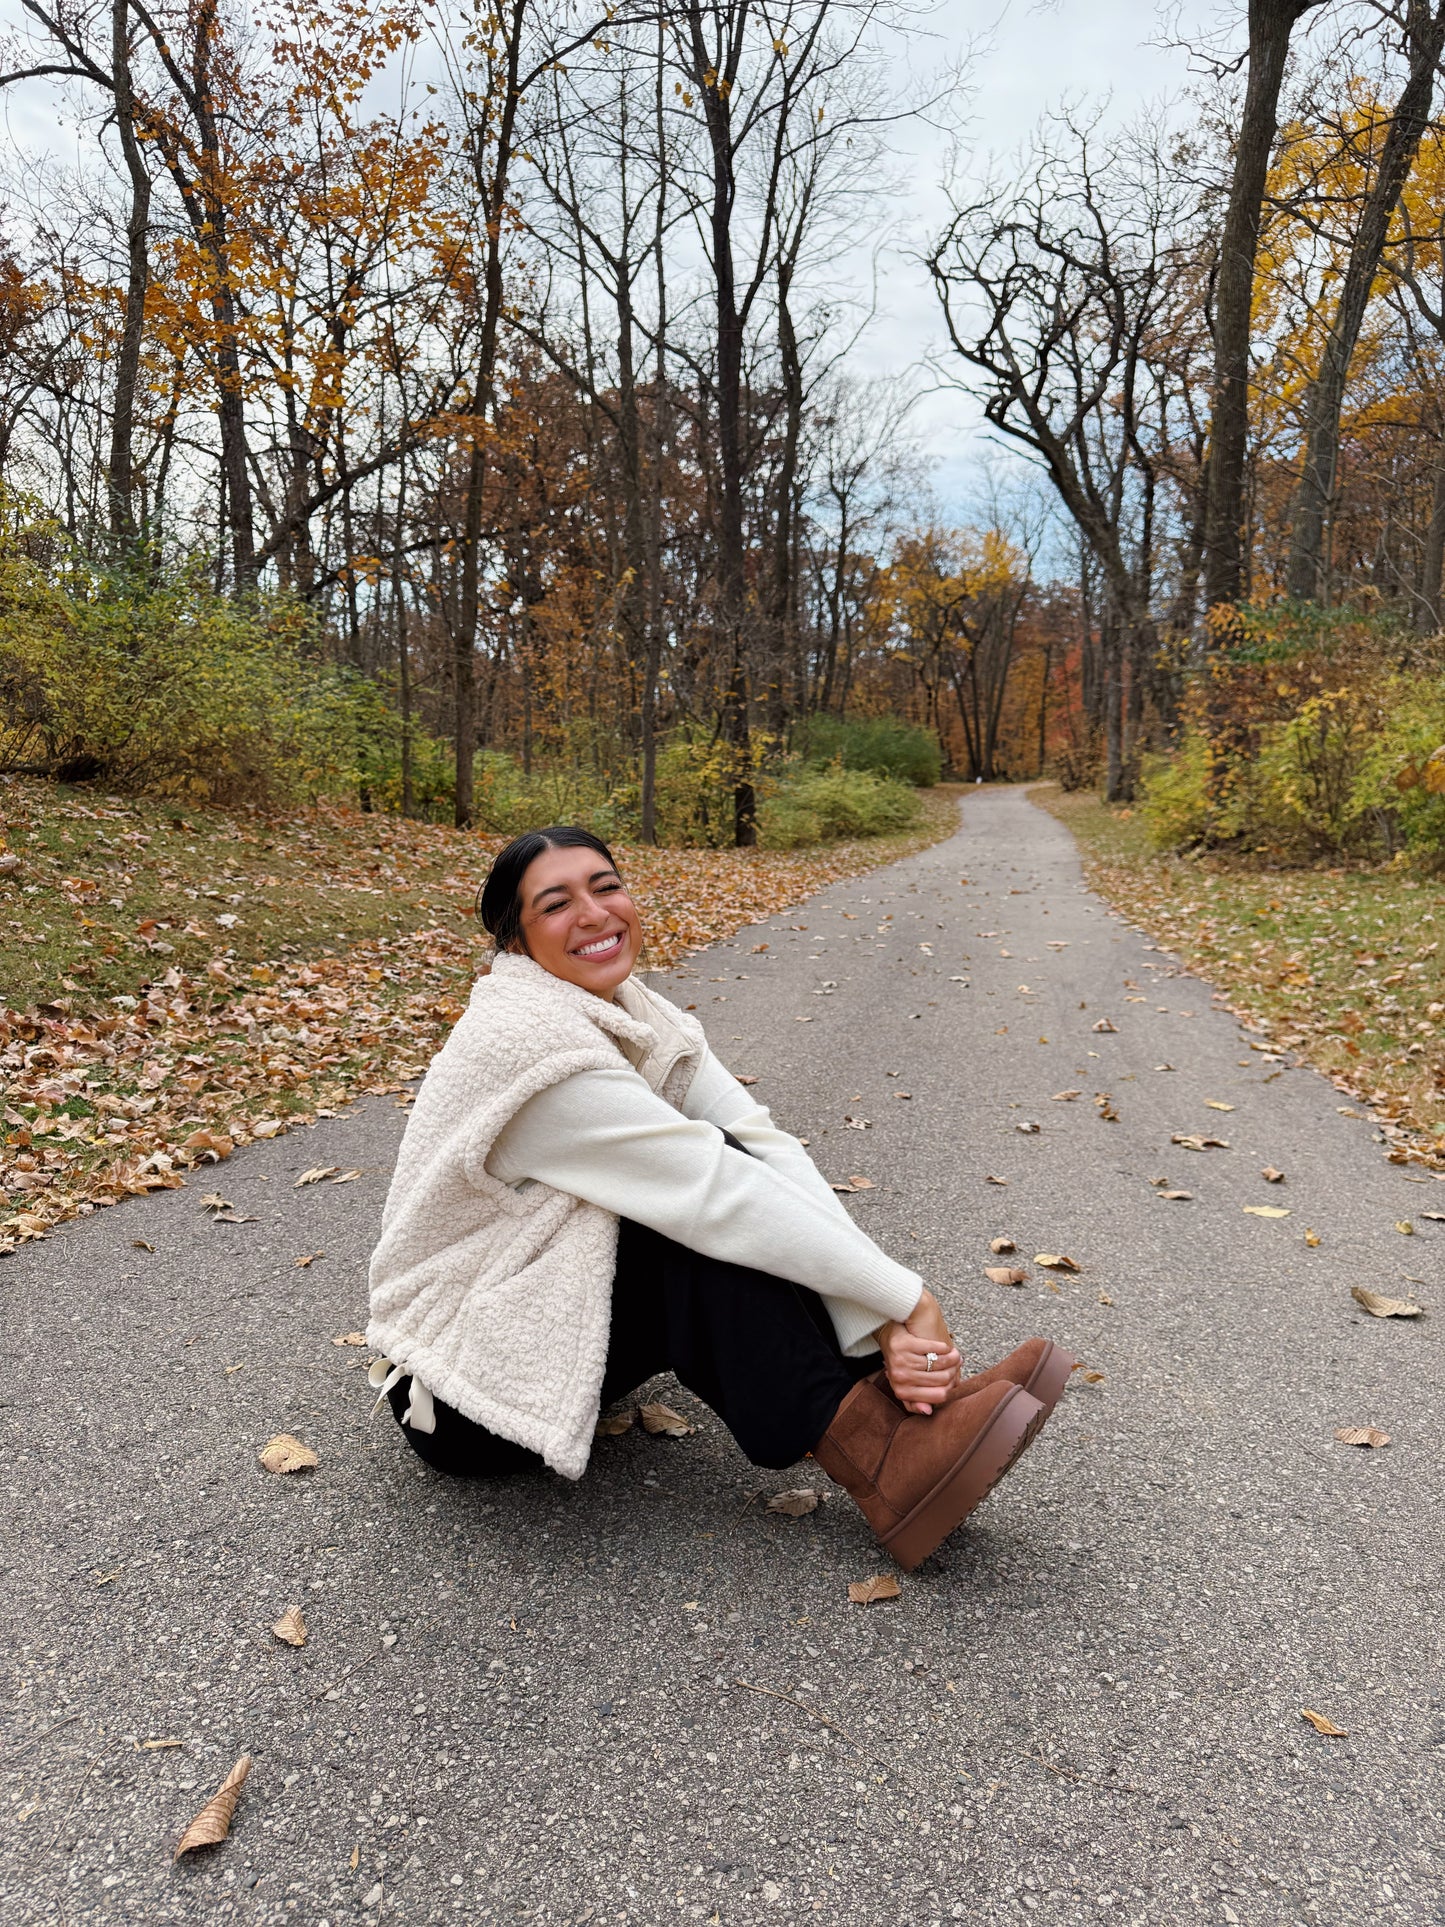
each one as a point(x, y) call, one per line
point(420, 1413)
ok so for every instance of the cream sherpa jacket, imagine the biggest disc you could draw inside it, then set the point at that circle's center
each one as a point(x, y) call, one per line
point(496, 1295)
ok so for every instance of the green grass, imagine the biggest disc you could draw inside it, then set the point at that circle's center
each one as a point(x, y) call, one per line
point(1343, 965)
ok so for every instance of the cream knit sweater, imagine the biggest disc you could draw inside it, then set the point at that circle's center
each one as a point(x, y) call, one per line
point(547, 1115)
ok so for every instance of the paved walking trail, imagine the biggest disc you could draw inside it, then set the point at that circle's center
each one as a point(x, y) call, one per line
point(525, 1701)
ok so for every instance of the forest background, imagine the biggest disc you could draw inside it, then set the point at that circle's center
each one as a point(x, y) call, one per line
point(452, 413)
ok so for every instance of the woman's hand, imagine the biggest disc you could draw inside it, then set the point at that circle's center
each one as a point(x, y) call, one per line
point(905, 1348)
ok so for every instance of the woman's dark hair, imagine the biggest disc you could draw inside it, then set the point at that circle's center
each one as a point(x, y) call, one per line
point(499, 901)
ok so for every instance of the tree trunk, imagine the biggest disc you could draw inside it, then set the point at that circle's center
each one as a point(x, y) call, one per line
point(1271, 22)
point(1432, 560)
point(1426, 35)
point(122, 429)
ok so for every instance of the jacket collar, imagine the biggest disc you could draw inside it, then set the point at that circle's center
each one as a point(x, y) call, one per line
point(511, 967)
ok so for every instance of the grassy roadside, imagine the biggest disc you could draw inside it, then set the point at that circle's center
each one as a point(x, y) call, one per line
point(1341, 966)
point(174, 982)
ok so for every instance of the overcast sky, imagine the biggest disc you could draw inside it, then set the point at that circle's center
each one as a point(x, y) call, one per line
point(1028, 56)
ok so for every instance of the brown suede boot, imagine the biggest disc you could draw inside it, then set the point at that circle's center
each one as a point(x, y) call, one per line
point(913, 1478)
point(1039, 1365)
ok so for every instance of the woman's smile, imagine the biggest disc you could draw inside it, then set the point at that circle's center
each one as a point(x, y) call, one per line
point(601, 946)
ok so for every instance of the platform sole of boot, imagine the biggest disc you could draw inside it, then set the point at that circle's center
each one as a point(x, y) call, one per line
point(1050, 1376)
point(968, 1483)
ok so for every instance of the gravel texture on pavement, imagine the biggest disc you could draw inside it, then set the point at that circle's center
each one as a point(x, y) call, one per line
point(646, 1698)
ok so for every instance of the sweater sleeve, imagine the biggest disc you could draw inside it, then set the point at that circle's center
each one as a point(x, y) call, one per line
point(717, 1096)
point(603, 1135)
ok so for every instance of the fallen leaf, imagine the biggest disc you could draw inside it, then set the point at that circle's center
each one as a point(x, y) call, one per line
point(1028, 1127)
point(615, 1425)
point(1005, 1274)
point(315, 1175)
point(308, 1259)
point(991, 1179)
point(1192, 1143)
point(1271, 1176)
point(213, 1201)
point(998, 1246)
point(1176, 1197)
point(748, 1080)
point(208, 1144)
point(232, 1217)
point(155, 1746)
point(139, 1244)
point(1054, 1261)
point(1092, 1378)
point(662, 1419)
point(1361, 1435)
point(1065, 1097)
point(1213, 1104)
point(1312, 1238)
point(1266, 1211)
point(350, 1338)
point(355, 1861)
point(1379, 1306)
point(346, 1177)
point(291, 1627)
point(794, 1504)
point(286, 1453)
point(213, 1822)
point(1105, 1025)
point(1105, 1106)
point(1323, 1724)
point(1404, 1227)
point(265, 1127)
point(1105, 1299)
point(883, 1585)
point(861, 1184)
point(1435, 1217)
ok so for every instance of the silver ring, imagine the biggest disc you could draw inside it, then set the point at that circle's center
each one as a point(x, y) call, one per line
point(932, 1358)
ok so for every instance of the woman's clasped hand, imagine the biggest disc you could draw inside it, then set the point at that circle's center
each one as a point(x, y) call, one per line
point(907, 1348)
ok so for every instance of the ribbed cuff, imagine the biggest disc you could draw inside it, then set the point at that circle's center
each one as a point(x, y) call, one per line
point(893, 1292)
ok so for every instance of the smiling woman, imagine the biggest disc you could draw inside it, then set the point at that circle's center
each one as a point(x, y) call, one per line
point(585, 1197)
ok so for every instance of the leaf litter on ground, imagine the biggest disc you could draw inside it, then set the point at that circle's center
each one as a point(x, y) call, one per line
point(1379, 1306)
point(664, 1422)
point(286, 1453)
point(864, 1592)
point(212, 1824)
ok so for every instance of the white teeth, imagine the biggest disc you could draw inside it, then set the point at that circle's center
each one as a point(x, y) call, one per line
point(603, 943)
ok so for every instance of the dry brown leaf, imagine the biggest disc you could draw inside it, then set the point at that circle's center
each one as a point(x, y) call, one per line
point(1005, 1274)
point(1092, 1378)
point(1214, 1104)
point(615, 1424)
point(1404, 1227)
point(1271, 1176)
point(1361, 1435)
point(265, 1127)
point(1435, 1217)
point(291, 1627)
point(1176, 1197)
point(998, 1246)
point(213, 1822)
point(286, 1453)
point(1104, 1024)
point(1191, 1142)
point(210, 1145)
point(315, 1175)
point(662, 1420)
point(805, 1498)
point(1266, 1210)
point(1322, 1723)
point(882, 1585)
point(861, 1184)
point(991, 1179)
point(309, 1258)
point(1028, 1127)
point(213, 1201)
point(1312, 1238)
point(346, 1177)
point(139, 1244)
point(1105, 1299)
point(1054, 1261)
point(1065, 1097)
point(1379, 1306)
point(350, 1338)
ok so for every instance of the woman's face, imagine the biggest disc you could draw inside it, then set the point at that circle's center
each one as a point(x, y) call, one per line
point(578, 920)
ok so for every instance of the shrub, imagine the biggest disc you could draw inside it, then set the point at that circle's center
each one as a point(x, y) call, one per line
point(887, 745)
point(814, 806)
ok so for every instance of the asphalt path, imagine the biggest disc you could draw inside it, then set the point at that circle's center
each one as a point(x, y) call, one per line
point(646, 1698)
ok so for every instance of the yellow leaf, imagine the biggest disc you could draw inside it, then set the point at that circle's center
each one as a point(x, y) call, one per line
point(1312, 1238)
point(1054, 1261)
point(1213, 1104)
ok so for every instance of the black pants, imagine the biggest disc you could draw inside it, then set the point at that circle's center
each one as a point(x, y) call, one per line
point(760, 1351)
